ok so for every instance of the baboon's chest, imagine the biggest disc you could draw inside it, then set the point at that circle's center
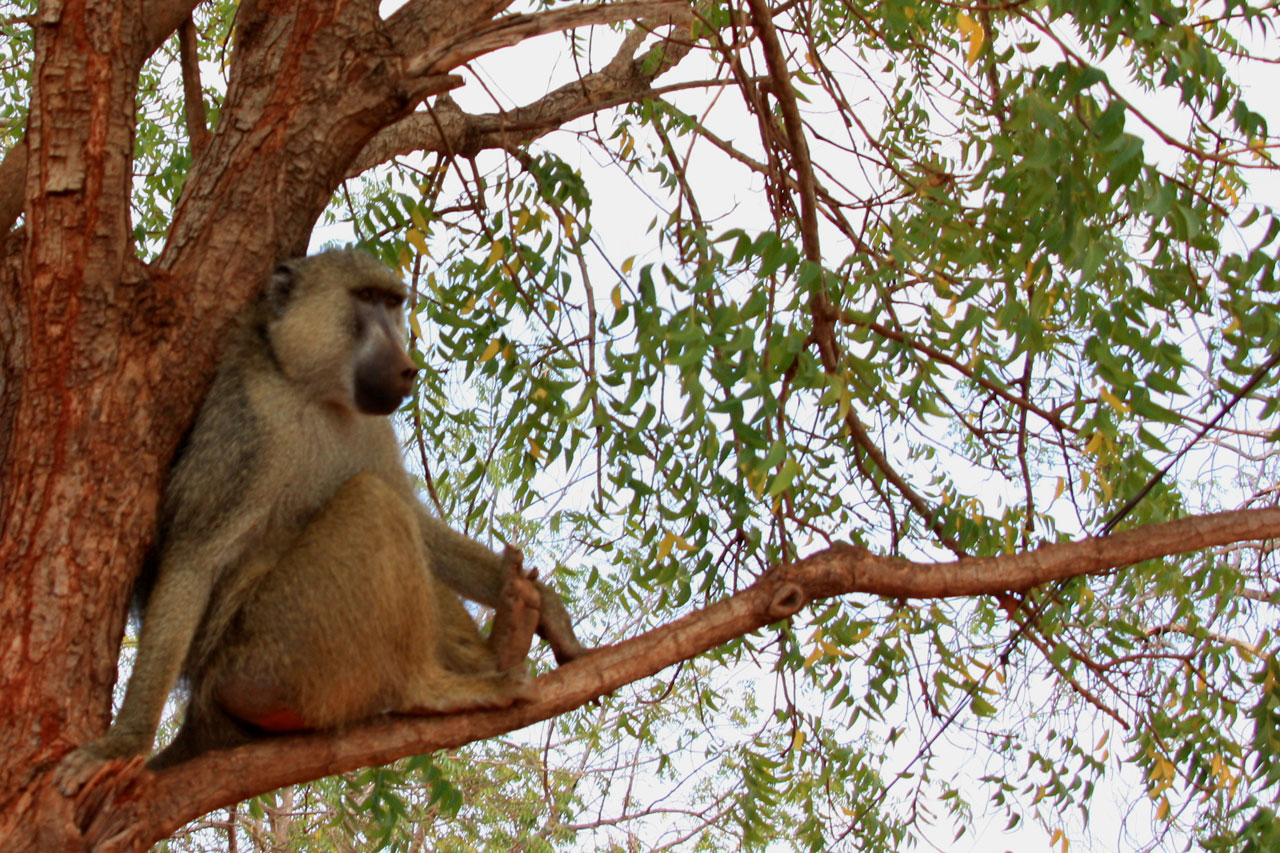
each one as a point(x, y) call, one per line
point(315, 457)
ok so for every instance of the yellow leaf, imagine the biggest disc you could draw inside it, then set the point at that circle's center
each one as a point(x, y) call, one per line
point(539, 393)
point(1114, 402)
point(415, 326)
point(617, 297)
point(1062, 485)
point(1230, 191)
point(419, 242)
point(419, 220)
point(535, 449)
point(470, 306)
point(846, 402)
point(496, 253)
point(1233, 326)
point(508, 351)
point(974, 32)
point(664, 547)
point(832, 650)
point(813, 657)
point(491, 350)
point(628, 264)
point(1094, 443)
point(1162, 812)
point(975, 47)
point(797, 740)
point(1102, 741)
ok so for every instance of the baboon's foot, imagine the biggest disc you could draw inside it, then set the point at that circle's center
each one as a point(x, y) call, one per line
point(452, 693)
point(515, 619)
point(83, 766)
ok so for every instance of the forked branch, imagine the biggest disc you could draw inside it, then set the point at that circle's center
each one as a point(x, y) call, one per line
point(446, 129)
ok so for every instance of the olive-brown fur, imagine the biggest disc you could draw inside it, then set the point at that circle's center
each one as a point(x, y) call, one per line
point(300, 583)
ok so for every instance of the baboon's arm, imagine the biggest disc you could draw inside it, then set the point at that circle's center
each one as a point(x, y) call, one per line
point(479, 574)
point(173, 613)
point(174, 609)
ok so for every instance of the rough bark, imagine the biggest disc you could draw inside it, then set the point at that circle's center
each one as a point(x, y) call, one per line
point(67, 521)
point(13, 175)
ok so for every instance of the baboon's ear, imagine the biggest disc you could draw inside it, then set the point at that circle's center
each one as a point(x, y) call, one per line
point(280, 289)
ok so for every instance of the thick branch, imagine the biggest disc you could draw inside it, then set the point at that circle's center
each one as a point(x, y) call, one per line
point(162, 18)
point(192, 91)
point(13, 177)
point(153, 806)
point(762, 17)
point(446, 128)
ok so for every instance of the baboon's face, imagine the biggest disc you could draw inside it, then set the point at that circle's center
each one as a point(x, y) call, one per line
point(338, 331)
point(382, 372)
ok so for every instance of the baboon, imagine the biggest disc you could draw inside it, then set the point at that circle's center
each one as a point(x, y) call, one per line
point(299, 582)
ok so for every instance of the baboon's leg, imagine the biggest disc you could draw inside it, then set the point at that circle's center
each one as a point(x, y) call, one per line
point(465, 674)
point(339, 625)
point(206, 727)
point(447, 692)
point(515, 619)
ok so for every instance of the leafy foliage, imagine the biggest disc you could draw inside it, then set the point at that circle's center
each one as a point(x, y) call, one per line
point(1046, 233)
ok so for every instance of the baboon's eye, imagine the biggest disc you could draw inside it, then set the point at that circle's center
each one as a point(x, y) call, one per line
point(377, 296)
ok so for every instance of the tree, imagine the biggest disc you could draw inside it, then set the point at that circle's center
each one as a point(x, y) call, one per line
point(981, 391)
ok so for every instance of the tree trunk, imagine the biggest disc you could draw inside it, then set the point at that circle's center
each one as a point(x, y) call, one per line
point(105, 358)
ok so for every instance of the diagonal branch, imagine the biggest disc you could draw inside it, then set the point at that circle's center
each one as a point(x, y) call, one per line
point(446, 128)
point(129, 807)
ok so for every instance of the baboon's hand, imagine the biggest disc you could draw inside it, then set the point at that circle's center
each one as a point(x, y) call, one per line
point(519, 608)
point(80, 765)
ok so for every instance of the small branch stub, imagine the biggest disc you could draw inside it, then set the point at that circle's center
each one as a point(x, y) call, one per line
point(787, 599)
